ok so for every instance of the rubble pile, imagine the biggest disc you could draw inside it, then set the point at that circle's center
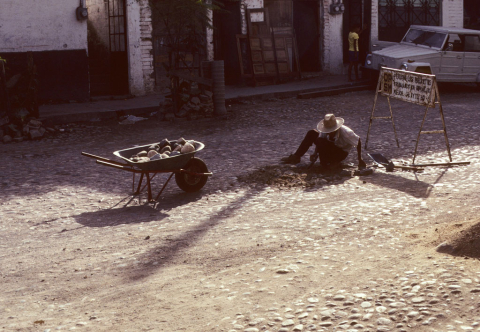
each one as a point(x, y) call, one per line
point(32, 130)
point(165, 149)
point(197, 106)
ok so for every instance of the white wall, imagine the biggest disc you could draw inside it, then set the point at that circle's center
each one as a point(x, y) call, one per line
point(32, 25)
point(332, 45)
point(452, 13)
point(140, 47)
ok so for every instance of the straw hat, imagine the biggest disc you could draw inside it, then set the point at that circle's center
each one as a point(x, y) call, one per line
point(329, 124)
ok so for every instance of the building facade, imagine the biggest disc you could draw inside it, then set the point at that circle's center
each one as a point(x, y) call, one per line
point(321, 26)
point(64, 39)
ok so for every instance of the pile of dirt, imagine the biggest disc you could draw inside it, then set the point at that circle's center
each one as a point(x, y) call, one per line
point(459, 239)
point(291, 176)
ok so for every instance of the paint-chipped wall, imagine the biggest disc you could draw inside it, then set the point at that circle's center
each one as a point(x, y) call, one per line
point(140, 47)
point(47, 25)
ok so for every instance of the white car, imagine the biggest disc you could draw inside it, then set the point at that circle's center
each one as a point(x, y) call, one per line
point(451, 54)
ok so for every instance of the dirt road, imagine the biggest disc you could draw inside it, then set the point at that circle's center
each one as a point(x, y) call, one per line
point(259, 248)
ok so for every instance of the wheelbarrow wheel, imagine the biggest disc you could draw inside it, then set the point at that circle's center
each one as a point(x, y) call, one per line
point(192, 183)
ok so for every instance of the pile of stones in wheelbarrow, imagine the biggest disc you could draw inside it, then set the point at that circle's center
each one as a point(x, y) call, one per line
point(165, 149)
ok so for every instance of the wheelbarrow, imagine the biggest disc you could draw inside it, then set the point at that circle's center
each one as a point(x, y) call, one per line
point(191, 173)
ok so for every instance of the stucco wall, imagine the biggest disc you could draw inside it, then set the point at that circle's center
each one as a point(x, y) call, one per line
point(332, 44)
point(140, 47)
point(98, 18)
point(32, 25)
point(452, 13)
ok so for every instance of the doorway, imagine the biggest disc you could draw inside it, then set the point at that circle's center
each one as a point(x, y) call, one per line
point(107, 47)
point(227, 24)
point(305, 23)
point(357, 13)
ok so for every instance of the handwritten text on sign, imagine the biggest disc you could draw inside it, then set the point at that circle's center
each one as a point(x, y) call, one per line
point(407, 86)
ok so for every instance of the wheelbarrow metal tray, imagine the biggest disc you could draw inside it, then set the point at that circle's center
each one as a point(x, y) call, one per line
point(166, 164)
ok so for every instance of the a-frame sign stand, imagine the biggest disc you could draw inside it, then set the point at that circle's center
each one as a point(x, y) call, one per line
point(417, 88)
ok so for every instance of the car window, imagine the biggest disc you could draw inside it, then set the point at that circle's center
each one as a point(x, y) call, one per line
point(472, 43)
point(425, 38)
point(454, 43)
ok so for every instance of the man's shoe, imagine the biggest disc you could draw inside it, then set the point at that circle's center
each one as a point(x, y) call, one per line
point(291, 159)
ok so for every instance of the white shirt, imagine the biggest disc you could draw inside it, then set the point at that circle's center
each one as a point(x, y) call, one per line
point(345, 138)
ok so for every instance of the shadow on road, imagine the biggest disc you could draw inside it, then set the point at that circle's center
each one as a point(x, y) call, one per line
point(415, 188)
point(166, 253)
point(120, 216)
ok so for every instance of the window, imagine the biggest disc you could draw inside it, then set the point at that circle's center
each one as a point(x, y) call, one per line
point(396, 16)
point(472, 43)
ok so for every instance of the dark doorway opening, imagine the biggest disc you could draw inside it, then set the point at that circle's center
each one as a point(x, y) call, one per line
point(471, 10)
point(305, 23)
point(227, 24)
point(357, 13)
point(107, 49)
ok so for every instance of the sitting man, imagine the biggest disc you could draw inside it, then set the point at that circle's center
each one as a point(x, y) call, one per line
point(333, 142)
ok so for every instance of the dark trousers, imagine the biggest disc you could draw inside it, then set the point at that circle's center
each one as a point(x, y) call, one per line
point(327, 150)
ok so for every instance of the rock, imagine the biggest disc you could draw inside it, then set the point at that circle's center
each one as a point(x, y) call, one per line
point(187, 148)
point(195, 100)
point(209, 94)
point(156, 157)
point(204, 98)
point(151, 153)
point(7, 139)
point(288, 322)
point(445, 248)
point(165, 149)
point(142, 154)
point(384, 321)
point(35, 134)
point(163, 155)
point(181, 141)
point(174, 153)
point(164, 142)
point(143, 159)
point(178, 148)
point(155, 147)
point(34, 123)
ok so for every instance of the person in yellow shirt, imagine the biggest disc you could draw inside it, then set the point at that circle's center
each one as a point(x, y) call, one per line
point(353, 51)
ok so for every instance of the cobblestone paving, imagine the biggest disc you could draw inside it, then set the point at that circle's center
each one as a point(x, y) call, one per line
point(79, 253)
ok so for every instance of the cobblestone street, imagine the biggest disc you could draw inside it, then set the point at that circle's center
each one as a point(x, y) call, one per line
point(331, 252)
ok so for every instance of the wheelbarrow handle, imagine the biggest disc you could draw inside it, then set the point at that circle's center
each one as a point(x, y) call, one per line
point(104, 159)
point(122, 167)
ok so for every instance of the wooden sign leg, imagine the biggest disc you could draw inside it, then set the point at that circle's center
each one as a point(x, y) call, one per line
point(373, 110)
point(419, 133)
point(393, 124)
point(443, 121)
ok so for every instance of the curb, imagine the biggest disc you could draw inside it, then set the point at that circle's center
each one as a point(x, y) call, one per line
point(95, 116)
point(113, 114)
point(316, 92)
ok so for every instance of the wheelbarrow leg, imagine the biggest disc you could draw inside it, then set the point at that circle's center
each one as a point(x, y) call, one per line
point(149, 187)
point(139, 183)
point(156, 198)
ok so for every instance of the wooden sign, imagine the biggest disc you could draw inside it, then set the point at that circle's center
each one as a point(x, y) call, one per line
point(408, 86)
point(411, 87)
